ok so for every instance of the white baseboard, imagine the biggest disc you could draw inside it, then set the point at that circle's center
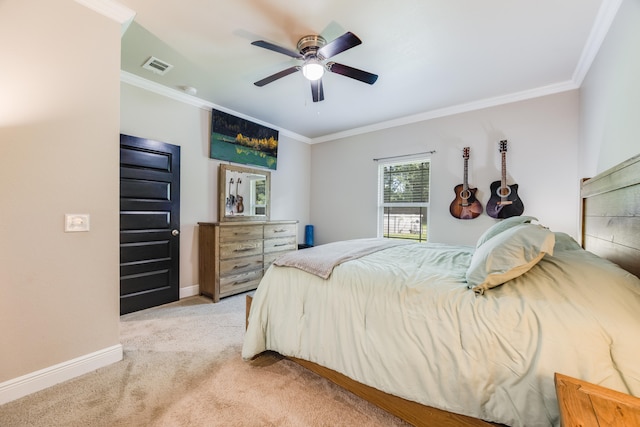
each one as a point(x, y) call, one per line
point(47, 377)
point(189, 291)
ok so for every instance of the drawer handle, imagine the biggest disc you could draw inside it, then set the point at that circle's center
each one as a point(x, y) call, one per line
point(240, 282)
point(241, 233)
point(243, 249)
point(281, 230)
point(235, 267)
point(280, 244)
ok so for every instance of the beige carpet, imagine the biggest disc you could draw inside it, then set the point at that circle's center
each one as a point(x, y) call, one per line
point(182, 367)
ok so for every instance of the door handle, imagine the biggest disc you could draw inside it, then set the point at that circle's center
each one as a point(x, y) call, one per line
point(174, 232)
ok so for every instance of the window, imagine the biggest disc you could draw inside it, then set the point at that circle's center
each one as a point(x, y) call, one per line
point(403, 199)
point(258, 197)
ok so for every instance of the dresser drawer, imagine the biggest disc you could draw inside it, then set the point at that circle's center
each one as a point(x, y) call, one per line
point(234, 255)
point(280, 230)
point(270, 257)
point(240, 265)
point(240, 232)
point(240, 282)
point(240, 249)
point(280, 244)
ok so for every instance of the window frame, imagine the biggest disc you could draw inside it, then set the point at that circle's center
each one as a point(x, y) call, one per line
point(382, 205)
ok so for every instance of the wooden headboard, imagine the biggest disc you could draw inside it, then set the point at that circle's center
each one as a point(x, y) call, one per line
point(611, 215)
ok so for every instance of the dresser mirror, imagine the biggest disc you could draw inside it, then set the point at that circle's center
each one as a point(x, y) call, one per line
point(244, 194)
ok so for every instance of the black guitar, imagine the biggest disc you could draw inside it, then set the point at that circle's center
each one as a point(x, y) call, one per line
point(504, 201)
point(465, 205)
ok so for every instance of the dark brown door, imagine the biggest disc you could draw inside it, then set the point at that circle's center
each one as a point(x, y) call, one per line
point(149, 223)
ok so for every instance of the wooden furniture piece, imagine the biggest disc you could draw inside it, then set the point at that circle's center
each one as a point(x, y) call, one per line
point(611, 215)
point(585, 404)
point(234, 255)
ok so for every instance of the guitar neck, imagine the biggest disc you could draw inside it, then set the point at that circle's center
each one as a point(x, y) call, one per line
point(504, 191)
point(465, 184)
point(503, 182)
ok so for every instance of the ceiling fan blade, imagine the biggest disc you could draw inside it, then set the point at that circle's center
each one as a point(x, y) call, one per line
point(342, 43)
point(316, 90)
point(354, 73)
point(276, 76)
point(276, 48)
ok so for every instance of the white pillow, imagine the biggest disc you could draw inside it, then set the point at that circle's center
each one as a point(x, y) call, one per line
point(508, 255)
point(503, 225)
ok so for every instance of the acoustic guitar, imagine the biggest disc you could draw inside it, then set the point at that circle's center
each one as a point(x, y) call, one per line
point(465, 205)
point(239, 204)
point(504, 201)
point(231, 199)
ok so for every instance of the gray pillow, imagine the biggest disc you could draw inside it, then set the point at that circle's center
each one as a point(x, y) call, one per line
point(564, 242)
point(503, 225)
point(508, 255)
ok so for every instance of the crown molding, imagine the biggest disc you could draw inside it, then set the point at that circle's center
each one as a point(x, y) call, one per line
point(449, 111)
point(180, 96)
point(112, 10)
point(604, 19)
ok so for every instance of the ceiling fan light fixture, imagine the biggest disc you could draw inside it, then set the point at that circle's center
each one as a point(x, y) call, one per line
point(313, 69)
point(313, 50)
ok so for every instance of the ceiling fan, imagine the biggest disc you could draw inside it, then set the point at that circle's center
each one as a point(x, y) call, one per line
point(314, 51)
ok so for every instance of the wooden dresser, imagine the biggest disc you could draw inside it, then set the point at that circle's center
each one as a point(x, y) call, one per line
point(234, 255)
point(584, 404)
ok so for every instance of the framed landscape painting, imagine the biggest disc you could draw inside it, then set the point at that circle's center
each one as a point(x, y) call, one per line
point(241, 141)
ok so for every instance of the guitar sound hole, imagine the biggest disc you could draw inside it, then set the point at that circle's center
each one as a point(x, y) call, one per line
point(503, 191)
point(465, 194)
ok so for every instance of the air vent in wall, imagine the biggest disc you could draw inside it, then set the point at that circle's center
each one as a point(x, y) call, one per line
point(157, 66)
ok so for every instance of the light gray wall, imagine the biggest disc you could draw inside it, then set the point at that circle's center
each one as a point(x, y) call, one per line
point(541, 159)
point(149, 115)
point(59, 122)
point(610, 96)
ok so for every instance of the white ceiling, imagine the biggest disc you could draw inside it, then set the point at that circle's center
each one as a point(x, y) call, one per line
point(433, 57)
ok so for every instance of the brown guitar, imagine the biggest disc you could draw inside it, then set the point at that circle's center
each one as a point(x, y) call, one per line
point(239, 204)
point(465, 205)
point(504, 201)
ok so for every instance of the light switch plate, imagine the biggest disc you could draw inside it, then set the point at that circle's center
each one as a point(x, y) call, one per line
point(76, 222)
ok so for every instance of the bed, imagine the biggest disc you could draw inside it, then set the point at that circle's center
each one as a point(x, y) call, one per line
point(455, 335)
